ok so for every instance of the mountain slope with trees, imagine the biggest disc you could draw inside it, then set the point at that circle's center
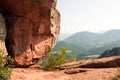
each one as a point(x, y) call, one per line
point(113, 52)
point(88, 43)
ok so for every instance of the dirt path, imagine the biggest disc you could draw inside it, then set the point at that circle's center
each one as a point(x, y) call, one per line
point(39, 74)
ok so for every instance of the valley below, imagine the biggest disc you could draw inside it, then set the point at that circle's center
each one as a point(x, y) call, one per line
point(83, 44)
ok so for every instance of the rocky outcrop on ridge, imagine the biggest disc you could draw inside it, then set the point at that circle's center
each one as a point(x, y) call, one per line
point(109, 62)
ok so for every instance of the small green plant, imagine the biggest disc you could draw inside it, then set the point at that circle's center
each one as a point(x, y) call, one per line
point(5, 67)
point(5, 72)
point(9, 61)
point(53, 60)
point(117, 77)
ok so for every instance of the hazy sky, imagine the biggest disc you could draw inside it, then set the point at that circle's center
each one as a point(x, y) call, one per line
point(89, 15)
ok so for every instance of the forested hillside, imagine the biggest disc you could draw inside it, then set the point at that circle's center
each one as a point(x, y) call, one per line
point(88, 43)
point(113, 52)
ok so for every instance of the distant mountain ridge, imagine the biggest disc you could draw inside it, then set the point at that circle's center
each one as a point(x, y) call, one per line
point(64, 36)
point(89, 43)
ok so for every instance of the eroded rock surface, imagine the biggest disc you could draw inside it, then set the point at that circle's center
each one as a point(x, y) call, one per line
point(109, 62)
point(32, 28)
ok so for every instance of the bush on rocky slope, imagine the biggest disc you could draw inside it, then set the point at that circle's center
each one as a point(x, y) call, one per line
point(53, 60)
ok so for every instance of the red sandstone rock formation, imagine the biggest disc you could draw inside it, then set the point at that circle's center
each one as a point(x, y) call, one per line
point(108, 62)
point(32, 28)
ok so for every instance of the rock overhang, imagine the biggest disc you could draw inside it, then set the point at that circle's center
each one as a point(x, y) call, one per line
point(33, 28)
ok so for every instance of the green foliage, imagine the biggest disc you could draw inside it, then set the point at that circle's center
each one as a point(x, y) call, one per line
point(1, 60)
point(9, 61)
point(53, 60)
point(5, 72)
point(72, 58)
point(117, 77)
point(5, 67)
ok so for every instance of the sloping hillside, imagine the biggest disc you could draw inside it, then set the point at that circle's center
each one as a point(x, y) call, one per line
point(88, 43)
point(100, 50)
point(113, 52)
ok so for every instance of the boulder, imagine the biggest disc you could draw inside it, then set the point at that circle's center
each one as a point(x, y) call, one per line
point(32, 29)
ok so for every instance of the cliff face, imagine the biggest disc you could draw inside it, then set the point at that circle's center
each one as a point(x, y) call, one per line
point(32, 28)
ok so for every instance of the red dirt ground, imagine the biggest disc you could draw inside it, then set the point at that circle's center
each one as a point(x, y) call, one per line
point(39, 74)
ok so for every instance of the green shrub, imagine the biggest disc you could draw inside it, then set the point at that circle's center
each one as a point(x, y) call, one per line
point(5, 72)
point(5, 67)
point(72, 58)
point(53, 60)
point(9, 61)
point(1, 60)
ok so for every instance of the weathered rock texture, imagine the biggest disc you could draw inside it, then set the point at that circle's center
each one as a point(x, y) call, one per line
point(32, 28)
point(109, 62)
